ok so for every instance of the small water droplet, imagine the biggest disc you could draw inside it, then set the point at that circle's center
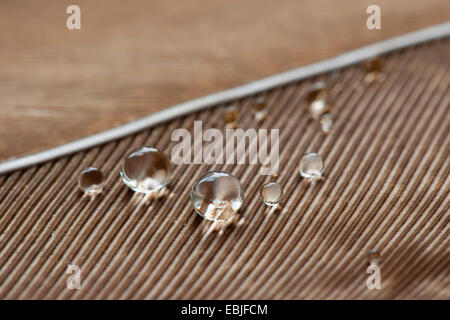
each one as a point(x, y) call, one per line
point(230, 117)
point(374, 256)
point(374, 68)
point(326, 122)
point(217, 196)
point(271, 193)
point(91, 180)
point(373, 64)
point(261, 115)
point(146, 170)
point(259, 104)
point(317, 99)
point(311, 166)
point(260, 111)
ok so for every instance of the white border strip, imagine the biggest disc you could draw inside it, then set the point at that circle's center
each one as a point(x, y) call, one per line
point(178, 110)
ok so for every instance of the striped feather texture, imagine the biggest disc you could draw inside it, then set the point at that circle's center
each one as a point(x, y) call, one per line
point(386, 186)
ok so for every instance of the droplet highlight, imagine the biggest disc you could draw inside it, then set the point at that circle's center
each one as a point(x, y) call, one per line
point(311, 166)
point(217, 196)
point(91, 181)
point(271, 194)
point(146, 170)
point(260, 111)
point(317, 100)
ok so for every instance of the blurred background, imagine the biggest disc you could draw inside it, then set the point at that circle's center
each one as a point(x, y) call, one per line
point(132, 58)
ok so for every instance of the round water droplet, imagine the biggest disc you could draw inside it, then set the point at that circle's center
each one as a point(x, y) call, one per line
point(91, 180)
point(271, 193)
point(259, 104)
point(146, 170)
point(217, 196)
point(311, 166)
point(374, 256)
point(326, 122)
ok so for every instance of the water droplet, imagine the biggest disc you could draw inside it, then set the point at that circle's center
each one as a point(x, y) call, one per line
point(271, 193)
point(146, 170)
point(326, 122)
point(261, 115)
point(153, 196)
point(91, 180)
point(259, 104)
point(335, 74)
point(230, 117)
point(373, 68)
point(317, 99)
point(260, 109)
point(217, 196)
point(311, 166)
point(374, 256)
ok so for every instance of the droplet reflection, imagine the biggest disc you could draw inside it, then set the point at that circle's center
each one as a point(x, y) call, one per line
point(217, 196)
point(146, 170)
point(311, 166)
point(91, 181)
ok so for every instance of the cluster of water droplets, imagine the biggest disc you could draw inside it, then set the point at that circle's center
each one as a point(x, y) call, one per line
point(319, 107)
point(145, 170)
point(217, 195)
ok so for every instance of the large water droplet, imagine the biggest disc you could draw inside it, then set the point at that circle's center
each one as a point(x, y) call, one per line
point(91, 180)
point(217, 196)
point(311, 166)
point(146, 170)
point(271, 193)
